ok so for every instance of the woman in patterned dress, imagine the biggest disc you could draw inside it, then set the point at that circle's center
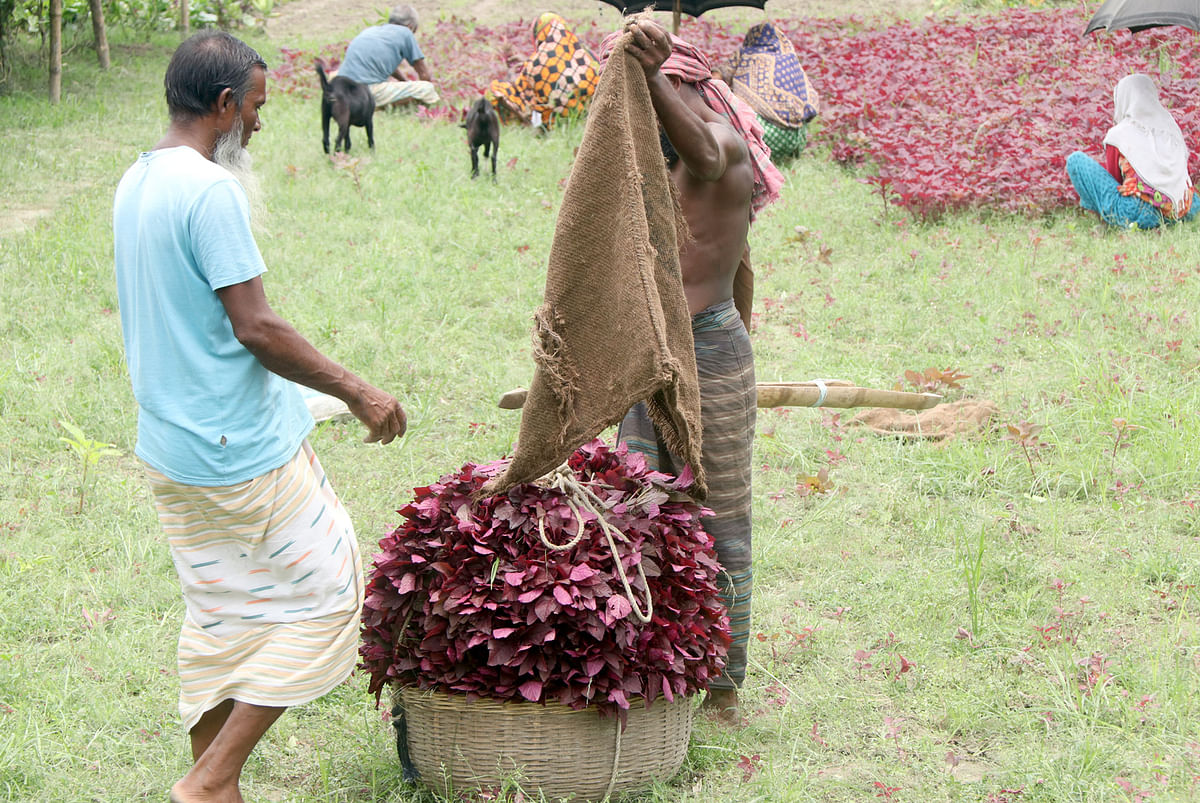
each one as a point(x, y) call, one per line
point(766, 73)
point(556, 81)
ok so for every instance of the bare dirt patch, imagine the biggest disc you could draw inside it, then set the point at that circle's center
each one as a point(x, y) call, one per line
point(21, 220)
point(322, 19)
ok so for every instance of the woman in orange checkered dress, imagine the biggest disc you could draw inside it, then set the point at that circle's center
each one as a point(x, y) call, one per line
point(556, 81)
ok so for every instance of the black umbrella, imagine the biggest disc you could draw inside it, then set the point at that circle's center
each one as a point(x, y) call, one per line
point(1138, 15)
point(693, 8)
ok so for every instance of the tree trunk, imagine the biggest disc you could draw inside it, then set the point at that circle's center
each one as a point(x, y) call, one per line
point(55, 51)
point(100, 34)
point(185, 17)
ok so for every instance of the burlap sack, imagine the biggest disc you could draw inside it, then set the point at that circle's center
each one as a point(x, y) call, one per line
point(614, 327)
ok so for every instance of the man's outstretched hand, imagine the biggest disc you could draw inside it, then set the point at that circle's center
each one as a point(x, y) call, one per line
point(651, 44)
point(381, 413)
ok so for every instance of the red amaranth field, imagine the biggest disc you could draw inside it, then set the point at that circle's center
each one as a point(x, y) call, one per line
point(938, 115)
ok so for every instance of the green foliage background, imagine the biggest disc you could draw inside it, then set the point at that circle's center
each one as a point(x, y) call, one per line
point(29, 16)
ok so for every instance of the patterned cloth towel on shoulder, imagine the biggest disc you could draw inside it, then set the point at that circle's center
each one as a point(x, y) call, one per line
point(690, 64)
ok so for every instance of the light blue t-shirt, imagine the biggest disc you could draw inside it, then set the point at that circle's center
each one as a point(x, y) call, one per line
point(374, 54)
point(209, 413)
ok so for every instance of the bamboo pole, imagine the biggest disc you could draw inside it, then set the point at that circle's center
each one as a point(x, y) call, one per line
point(675, 15)
point(778, 395)
point(55, 50)
point(185, 18)
point(829, 393)
point(99, 32)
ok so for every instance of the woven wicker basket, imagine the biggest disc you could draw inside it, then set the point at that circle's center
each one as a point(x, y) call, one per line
point(456, 744)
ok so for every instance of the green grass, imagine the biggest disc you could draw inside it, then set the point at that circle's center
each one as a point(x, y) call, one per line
point(419, 279)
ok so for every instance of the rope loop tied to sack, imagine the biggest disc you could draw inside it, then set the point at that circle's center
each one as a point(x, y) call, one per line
point(578, 495)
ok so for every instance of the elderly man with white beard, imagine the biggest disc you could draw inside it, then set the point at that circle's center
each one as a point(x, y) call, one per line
point(266, 556)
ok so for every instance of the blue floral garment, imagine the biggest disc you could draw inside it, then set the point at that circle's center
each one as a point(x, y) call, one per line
point(767, 74)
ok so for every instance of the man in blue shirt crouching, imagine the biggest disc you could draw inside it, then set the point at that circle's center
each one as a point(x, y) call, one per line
point(375, 56)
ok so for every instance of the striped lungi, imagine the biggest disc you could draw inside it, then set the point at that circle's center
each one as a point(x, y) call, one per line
point(725, 365)
point(272, 583)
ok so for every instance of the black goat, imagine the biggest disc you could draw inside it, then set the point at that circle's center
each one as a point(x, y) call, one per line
point(348, 102)
point(483, 128)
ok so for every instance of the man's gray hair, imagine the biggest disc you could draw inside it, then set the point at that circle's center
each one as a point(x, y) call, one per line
point(203, 67)
point(404, 15)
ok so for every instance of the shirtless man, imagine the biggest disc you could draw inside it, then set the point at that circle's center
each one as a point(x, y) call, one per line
point(709, 164)
point(723, 174)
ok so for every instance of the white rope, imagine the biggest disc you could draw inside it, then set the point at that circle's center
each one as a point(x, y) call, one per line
point(578, 530)
point(564, 480)
point(823, 392)
point(612, 778)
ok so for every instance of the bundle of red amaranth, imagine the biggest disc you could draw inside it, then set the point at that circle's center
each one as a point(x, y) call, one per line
point(522, 596)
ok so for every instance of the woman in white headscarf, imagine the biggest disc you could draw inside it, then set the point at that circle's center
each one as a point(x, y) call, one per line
point(1144, 181)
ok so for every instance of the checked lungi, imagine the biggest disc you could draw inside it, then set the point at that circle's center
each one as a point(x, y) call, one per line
point(272, 583)
point(725, 365)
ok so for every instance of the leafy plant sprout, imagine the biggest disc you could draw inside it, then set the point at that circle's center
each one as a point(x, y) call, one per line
point(1121, 428)
point(89, 452)
point(934, 380)
point(1025, 435)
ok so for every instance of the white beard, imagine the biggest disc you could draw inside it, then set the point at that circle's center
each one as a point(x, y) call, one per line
point(229, 153)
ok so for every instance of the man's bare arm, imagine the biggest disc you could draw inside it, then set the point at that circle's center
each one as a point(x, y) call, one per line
point(697, 143)
point(705, 148)
point(419, 67)
point(284, 351)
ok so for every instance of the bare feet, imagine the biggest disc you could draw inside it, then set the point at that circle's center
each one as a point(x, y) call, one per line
point(221, 742)
point(181, 793)
point(722, 704)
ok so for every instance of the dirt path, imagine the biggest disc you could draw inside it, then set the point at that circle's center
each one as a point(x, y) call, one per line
point(321, 19)
point(333, 19)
